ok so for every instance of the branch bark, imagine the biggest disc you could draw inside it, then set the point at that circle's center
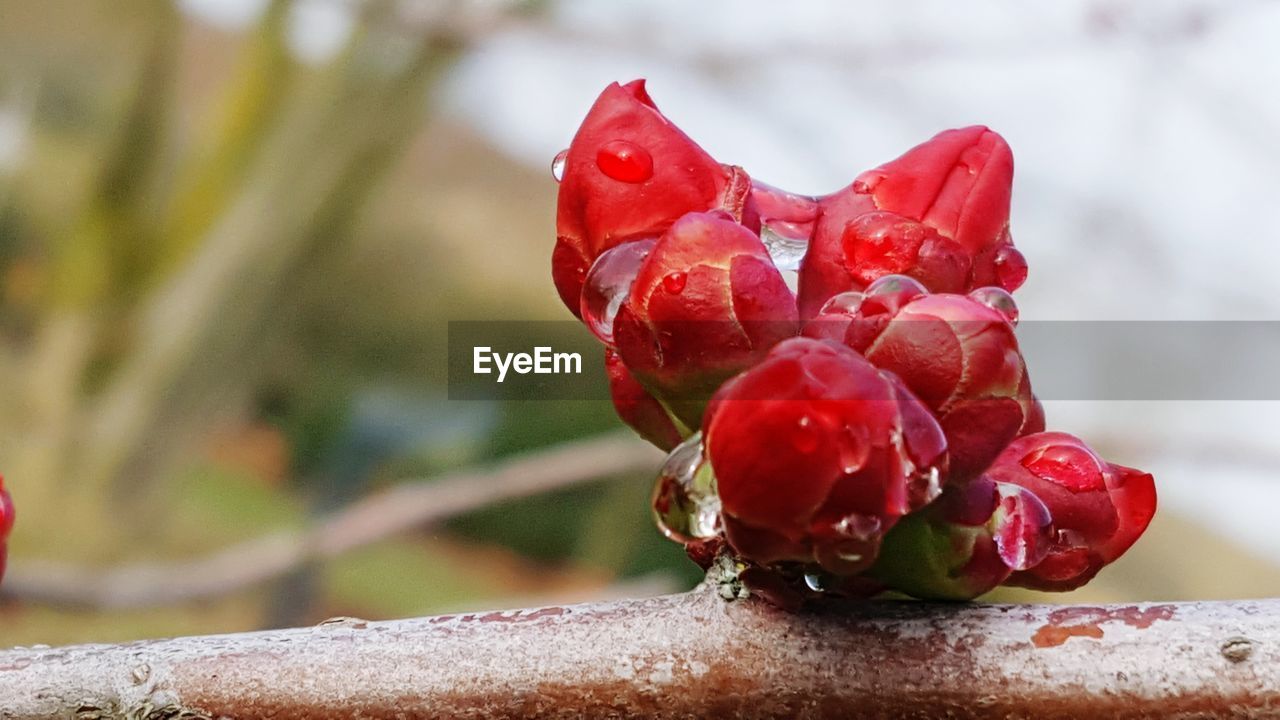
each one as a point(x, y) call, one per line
point(401, 508)
point(690, 655)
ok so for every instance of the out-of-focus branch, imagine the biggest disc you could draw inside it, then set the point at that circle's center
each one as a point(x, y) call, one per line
point(398, 509)
point(691, 655)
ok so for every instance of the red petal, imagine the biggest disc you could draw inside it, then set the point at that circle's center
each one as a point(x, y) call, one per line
point(637, 408)
point(958, 182)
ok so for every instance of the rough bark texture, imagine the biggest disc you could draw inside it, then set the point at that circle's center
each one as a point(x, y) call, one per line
point(691, 655)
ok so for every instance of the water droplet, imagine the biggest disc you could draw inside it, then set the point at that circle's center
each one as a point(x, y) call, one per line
point(625, 161)
point(845, 556)
point(608, 284)
point(853, 448)
point(674, 282)
point(846, 303)
point(1067, 537)
point(685, 504)
point(557, 164)
point(805, 437)
point(924, 487)
point(895, 284)
point(859, 526)
point(867, 182)
point(1021, 526)
point(776, 205)
point(1011, 268)
point(785, 248)
point(887, 294)
point(816, 582)
point(998, 299)
point(1070, 466)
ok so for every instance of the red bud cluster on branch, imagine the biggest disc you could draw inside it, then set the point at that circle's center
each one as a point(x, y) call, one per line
point(837, 378)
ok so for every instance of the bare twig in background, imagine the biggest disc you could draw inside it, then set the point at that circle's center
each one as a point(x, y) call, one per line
point(398, 509)
point(691, 655)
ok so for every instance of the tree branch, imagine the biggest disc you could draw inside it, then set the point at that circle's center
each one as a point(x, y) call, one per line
point(403, 507)
point(691, 655)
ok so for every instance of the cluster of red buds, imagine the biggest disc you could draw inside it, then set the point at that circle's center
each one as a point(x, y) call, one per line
point(837, 379)
point(6, 524)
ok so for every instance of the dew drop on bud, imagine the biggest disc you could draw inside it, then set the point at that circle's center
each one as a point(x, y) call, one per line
point(1022, 527)
point(853, 448)
point(846, 556)
point(786, 223)
point(1068, 466)
point(685, 504)
point(998, 299)
point(859, 526)
point(895, 284)
point(1011, 268)
point(674, 282)
point(557, 164)
point(625, 161)
point(888, 293)
point(804, 438)
point(817, 582)
point(846, 303)
point(924, 487)
point(786, 246)
point(608, 283)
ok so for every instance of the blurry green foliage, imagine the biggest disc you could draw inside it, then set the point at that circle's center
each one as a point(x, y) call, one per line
point(211, 256)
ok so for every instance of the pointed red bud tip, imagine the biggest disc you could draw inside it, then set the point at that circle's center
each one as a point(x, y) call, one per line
point(1099, 509)
point(706, 304)
point(957, 353)
point(959, 183)
point(637, 408)
point(629, 173)
point(817, 454)
point(939, 213)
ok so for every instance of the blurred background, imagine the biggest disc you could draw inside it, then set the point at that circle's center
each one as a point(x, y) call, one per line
point(232, 233)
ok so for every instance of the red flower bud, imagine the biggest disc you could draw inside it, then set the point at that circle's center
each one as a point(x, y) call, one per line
point(706, 304)
point(1099, 509)
point(938, 213)
point(967, 542)
point(957, 353)
point(628, 174)
point(637, 408)
point(6, 523)
point(816, 454)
